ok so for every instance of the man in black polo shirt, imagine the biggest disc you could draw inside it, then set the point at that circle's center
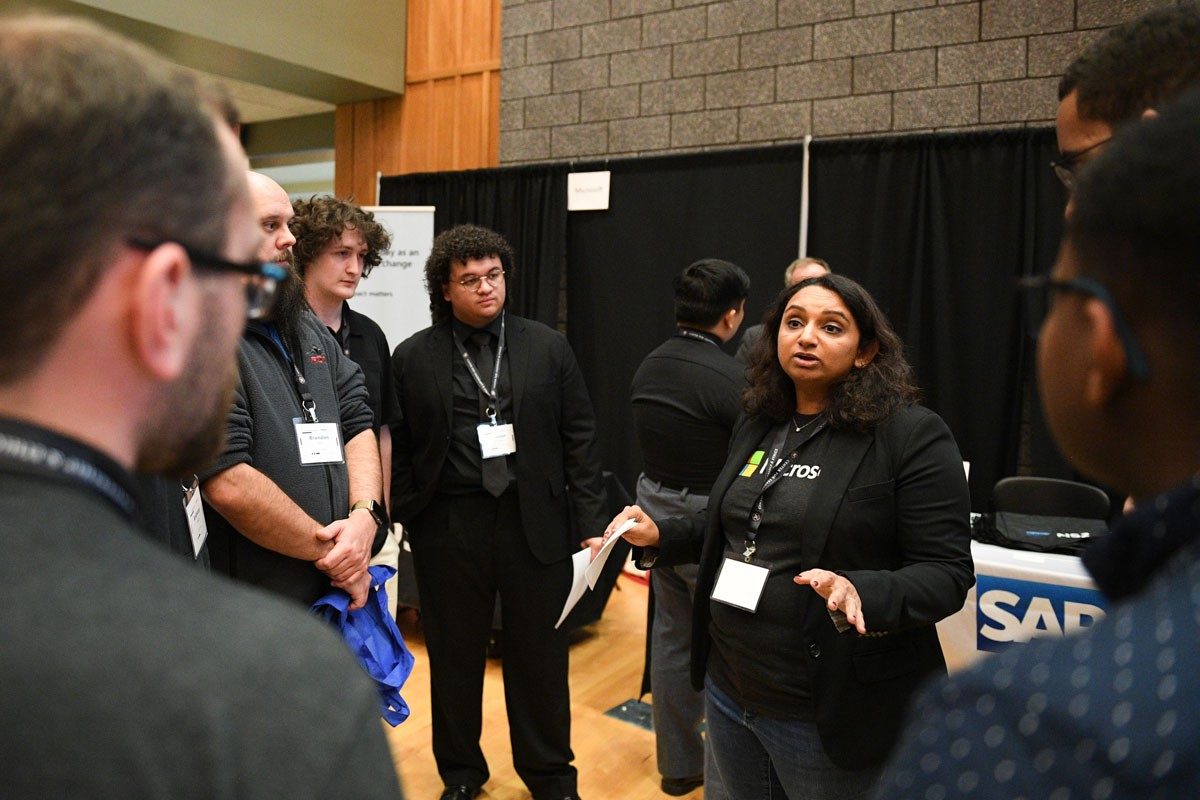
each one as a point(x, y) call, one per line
point(686, 397)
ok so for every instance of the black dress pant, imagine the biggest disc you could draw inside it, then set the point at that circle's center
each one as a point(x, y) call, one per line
point(469, 548)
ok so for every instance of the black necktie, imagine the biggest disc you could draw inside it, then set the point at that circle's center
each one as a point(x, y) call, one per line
point(495, 469)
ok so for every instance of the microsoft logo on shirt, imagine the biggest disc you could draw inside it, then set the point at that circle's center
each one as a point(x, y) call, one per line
point(753, 464)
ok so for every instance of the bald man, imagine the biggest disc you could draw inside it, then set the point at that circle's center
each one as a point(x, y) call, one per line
point(294, 502)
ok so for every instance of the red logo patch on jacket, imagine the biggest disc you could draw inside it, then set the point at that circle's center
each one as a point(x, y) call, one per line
point(317, 359)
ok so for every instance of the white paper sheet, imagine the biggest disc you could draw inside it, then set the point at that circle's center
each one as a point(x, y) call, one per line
point(597, 566)
point(579, 563)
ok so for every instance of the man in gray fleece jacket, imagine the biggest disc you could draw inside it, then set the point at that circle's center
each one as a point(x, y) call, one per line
point(293, 502)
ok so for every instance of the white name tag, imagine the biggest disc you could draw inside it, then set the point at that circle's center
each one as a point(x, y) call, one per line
point(497, 440)
point(197, 527)
point(320, 443)
point(740, 584)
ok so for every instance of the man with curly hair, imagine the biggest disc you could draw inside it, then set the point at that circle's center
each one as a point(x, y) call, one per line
point(337, 245)
point(496, 480)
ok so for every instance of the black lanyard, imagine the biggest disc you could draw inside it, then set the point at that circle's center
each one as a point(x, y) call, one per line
point(774, 473)
point(699, 337)
point(307, 401)
point(493, 398)
point(23, 454)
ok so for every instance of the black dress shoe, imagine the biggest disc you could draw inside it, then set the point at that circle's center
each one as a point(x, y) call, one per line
point(461, 793)
point(677, 787)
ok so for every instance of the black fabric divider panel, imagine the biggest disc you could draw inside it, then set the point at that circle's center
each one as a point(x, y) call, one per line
point(527, 205)
point(938, 228)
point(665, 213)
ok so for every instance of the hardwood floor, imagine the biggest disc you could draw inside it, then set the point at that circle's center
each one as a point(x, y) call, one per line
point(615, 759)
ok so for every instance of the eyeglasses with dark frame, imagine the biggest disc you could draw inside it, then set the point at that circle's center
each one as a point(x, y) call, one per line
point(1038, 290)
point(1065, 165)
point(471, 282)
point(262, 278)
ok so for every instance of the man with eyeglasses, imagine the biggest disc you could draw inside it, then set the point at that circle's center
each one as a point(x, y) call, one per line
point(496, 480)
point(1125, 74)
point(127, 673)
point(1111, 711)
point(294, 500)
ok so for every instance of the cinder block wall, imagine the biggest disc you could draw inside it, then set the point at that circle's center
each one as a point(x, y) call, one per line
point(588, 78)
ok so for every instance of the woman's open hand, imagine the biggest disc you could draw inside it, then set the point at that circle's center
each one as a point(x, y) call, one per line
point(838, 592)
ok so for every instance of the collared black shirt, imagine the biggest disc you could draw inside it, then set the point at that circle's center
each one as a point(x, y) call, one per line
point(686, 397)
point(365, 343)
point(463, 471)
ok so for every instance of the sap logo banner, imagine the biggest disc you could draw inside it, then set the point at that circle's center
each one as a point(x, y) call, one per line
point(1010, 610)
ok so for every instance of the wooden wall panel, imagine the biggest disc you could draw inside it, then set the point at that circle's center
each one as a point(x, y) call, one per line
point(449, 116)
point(481, 31)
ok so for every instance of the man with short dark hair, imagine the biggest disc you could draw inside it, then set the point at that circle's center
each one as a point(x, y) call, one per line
point(686, 398)
point(1109, 712)
point(496, 481)
point(294, 501)
point(129, 271)
point(800, 269)
point(1130, 70)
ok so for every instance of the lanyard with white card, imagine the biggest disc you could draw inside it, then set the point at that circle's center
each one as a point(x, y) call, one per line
point(741, 583)
point(193, 505)
point(319, 442)
point(495, 439)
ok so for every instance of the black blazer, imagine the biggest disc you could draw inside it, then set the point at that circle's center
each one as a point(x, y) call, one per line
point(890, 512)
point(557, 469)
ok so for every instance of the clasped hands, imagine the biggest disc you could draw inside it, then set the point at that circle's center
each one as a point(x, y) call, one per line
point(349, 555)
point(838, 591)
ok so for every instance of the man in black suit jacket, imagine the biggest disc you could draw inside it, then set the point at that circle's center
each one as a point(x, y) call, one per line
point(496, 480)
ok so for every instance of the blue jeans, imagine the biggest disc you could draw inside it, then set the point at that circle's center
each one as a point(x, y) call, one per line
point(772, 759)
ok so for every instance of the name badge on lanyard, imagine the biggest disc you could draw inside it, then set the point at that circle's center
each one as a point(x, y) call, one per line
point(497, 440)
point(194, 506)
point(320, 443)
point(740, 584)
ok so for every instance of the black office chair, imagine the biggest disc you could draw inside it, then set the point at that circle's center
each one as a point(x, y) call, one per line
point(1045, 515)
point(1050, 497)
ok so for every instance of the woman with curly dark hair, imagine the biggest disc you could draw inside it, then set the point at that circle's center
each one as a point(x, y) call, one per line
point(835, 538)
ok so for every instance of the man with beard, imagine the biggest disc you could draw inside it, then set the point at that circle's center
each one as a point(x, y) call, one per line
point(128, 273)
point(292, 509)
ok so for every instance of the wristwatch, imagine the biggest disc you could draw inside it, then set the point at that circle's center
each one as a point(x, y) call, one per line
point(375, 510)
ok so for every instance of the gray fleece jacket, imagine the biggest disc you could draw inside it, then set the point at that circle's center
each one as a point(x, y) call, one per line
point(261, 432)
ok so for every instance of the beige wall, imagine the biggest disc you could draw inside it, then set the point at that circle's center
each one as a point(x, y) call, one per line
point(587, 78)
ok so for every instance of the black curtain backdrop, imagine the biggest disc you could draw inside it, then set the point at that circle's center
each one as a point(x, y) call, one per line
point(665, 213)
point(937, 227)
point(524, 204)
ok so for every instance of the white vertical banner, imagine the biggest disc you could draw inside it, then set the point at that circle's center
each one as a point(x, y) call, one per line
point(394, 295)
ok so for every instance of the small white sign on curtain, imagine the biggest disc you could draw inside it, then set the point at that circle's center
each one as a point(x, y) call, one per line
point(588, 191)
